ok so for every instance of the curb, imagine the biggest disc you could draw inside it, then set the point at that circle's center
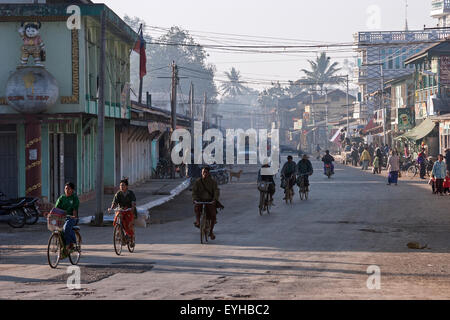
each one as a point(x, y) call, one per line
point(143, 211)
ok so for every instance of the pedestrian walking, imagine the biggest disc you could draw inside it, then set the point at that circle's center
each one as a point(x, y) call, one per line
point(376, 165)
point(393, 168)
point(365, 159)
point(439, 172)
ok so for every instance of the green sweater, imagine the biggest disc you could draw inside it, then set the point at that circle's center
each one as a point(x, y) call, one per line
point(68, 204)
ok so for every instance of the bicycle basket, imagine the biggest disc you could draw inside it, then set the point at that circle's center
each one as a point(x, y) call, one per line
point(263, 186)
point(55, 220)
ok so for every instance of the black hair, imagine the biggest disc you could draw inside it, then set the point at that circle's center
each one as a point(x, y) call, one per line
point(124, 181)
point(290, 158)
point(70, 185)
point(207, 169)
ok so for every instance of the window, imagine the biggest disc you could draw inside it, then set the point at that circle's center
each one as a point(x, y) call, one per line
point(390, 61)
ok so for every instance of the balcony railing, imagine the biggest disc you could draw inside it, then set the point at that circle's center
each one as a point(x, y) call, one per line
point(422, 95)
point(400, 36)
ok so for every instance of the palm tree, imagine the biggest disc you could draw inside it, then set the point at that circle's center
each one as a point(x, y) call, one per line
point(233, 87)
point(322, 72)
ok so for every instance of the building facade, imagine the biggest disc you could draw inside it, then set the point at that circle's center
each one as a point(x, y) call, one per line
point(48, 148)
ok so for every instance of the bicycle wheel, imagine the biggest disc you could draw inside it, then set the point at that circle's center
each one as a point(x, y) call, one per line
point(412, 172)
point(32, 216)
point(261, 203)
point(118, 236)
point(268, 207)
point(75, 254)
point(54, 250)
point(17, 218)
point(131, 245)
point(204, 229)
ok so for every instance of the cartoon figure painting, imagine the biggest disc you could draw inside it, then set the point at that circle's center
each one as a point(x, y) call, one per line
point(32, 43)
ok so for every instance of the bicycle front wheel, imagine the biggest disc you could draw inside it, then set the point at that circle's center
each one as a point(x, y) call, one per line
point(261, 203)
point(118, 239)
point(75, 254)
point(54, 250)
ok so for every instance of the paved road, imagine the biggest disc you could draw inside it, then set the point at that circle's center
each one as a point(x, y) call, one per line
point(319, 249)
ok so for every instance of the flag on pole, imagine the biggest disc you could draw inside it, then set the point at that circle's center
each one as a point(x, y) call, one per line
point(140, 48)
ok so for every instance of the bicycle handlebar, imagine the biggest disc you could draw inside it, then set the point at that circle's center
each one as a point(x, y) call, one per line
point(195, 202)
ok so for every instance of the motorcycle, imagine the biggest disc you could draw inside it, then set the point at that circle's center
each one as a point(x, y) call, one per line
point(30, 208)
point(14, 211)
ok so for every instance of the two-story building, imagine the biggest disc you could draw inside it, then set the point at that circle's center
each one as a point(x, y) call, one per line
point(43, 150)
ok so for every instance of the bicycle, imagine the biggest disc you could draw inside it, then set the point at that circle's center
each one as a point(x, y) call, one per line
point(289, 190)
point(56, 249)
point(205, 222)
point(119, 239)
point(303, 188)
point(264, 199)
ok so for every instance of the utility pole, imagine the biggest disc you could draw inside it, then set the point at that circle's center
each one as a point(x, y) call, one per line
point(100, 123)
point(326, 118)
point(191, 103)
point(173, 105)
point(140, 79)
point(382, 104)
point(348, 111)
point(205, 105)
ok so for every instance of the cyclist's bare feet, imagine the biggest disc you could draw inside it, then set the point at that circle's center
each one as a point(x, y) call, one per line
point(197, 225)
point(212, 236)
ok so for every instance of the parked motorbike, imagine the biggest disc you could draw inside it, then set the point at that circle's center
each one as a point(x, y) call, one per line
point(14, 211)
point(30, 208)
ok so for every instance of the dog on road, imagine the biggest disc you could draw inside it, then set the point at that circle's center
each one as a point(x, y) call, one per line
point(235, 175)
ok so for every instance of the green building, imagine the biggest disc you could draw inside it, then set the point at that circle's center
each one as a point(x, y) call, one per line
point(66, 148)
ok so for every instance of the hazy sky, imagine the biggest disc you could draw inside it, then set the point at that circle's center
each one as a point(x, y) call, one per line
point(325, 21)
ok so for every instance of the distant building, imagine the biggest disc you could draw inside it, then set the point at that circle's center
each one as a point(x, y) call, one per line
point(382, 54)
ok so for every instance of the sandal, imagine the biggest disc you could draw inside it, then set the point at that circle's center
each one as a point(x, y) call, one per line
point(212, 236)
point(197, 225)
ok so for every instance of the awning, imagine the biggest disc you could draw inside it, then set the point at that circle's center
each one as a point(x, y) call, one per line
point(419, 132)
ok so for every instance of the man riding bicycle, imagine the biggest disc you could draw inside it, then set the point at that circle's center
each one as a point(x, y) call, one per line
point(269, 179)
point(328, 159)
point(125, 199)
point(288, 173)
point(69, 202)
point(205, 189)
point(304, 170)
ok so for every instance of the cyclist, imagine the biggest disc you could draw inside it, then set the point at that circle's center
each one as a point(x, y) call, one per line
point(69, 202)
point(304, 170)
point(328, 159)
point(205, 189)
point(268, 179)
point(125, 199)
point(288, 172)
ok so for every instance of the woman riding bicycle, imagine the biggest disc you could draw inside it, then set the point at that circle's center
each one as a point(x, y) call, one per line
point(69, 202)
point(269, 179)
point(288, 174)
point(126, 200)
